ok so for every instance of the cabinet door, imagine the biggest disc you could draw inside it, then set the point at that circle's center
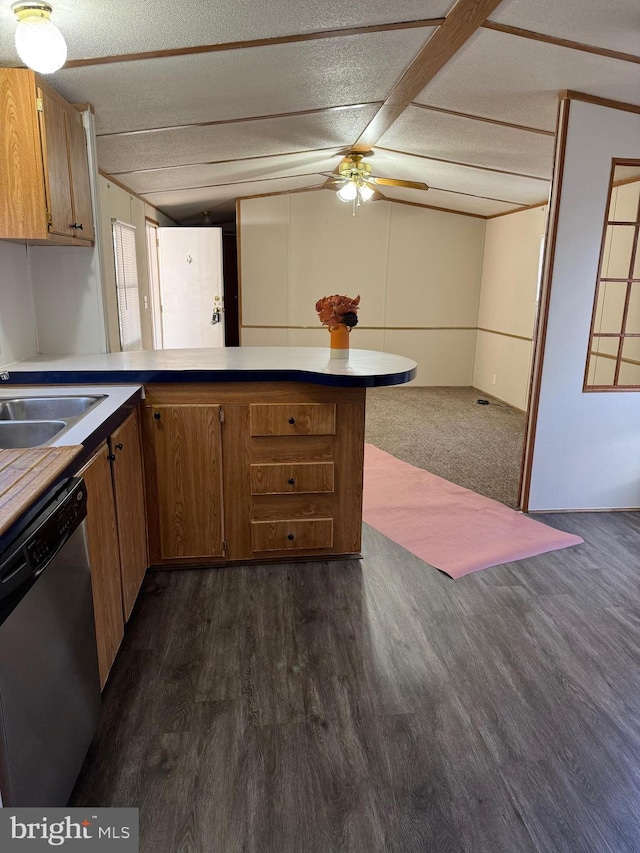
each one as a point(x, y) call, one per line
point(130, 509)
point(56, 166)
point(79, 173)
point(104, 556)
point(185, 456)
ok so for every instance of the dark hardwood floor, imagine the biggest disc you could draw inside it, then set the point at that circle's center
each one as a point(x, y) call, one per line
point(378, 705)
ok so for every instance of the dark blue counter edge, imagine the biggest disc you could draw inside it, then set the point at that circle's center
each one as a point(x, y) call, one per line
point(89, 447)
point(142, 377)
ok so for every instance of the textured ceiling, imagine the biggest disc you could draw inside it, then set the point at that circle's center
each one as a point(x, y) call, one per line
point(220, 120)
point(612, 24)
point(517, 80)
point(116, 27)
point(232, 141)
point(241, 83)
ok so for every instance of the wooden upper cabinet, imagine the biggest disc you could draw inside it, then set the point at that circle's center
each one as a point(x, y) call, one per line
point(44, 173)
point(126, 457)
point(79, 174)
point(57, 180)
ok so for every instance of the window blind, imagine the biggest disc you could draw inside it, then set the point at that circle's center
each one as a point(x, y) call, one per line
point(126, 266)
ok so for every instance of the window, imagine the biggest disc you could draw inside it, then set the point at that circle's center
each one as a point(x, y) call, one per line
point(124, 255)
point(613, 362)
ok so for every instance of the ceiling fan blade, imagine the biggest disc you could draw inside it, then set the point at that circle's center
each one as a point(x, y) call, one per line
point(395, 182)
point(377, 194)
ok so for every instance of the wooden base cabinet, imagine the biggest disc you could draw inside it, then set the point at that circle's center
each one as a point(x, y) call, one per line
point(184, 481)
point(128, 486)
point(104, 556)
point(116, 534)
point(252, 471)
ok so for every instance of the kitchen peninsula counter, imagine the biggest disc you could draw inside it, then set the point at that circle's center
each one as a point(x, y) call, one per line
point(251, 454)
point(363, 368)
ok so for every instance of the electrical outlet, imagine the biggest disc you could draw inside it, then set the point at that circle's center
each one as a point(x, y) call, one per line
point(493, 379)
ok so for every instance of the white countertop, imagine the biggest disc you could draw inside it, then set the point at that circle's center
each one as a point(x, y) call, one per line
point(306, 362)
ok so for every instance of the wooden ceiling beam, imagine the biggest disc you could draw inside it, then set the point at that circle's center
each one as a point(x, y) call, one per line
point(460, 24)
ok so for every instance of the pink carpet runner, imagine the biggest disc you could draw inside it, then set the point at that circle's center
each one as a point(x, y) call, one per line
point(451, 528)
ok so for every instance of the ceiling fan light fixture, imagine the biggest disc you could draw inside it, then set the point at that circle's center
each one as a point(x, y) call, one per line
point(40, 44)
point(348, 192)
point(366, 192)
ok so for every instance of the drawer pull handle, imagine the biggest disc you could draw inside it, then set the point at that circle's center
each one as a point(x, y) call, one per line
point(291, 537)
point(291, 481)
point(292, 420)
point(156, 415)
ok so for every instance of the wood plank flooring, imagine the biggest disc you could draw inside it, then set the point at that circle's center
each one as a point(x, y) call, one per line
point(378, 705)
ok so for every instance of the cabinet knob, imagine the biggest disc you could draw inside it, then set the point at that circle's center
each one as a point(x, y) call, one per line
point(119, 446)
point(291, 481)
point(156, 415)
point(112, 457)
point(292, 420)
point(76, 225)
point(291, 537)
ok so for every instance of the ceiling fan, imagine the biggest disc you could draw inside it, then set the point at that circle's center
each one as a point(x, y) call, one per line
point(356, 184)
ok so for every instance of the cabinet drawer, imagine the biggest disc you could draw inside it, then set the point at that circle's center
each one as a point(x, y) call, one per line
point(287, 479)
point(293, 419)
point(277, 507)
point(298, 534)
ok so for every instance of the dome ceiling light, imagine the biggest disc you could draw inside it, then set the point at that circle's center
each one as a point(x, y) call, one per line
point(40, 44)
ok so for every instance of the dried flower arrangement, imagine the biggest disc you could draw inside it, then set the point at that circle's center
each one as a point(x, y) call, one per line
point(334, 311)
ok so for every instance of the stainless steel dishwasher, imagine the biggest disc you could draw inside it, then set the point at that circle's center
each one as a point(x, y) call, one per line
point(49, 684)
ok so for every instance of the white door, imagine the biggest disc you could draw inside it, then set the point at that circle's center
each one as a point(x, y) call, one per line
point(191, 286)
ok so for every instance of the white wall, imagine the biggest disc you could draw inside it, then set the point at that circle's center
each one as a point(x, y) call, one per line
point(17, 318)
point(417, 271)
point(586, 449)
point(116, 203)
point(158, 216)
point(67, 299)
point(507, 308)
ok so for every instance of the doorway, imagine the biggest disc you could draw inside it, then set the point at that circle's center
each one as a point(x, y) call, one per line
point(186, 287)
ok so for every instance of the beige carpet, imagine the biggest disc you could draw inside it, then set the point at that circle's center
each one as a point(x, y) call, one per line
point(445, 431)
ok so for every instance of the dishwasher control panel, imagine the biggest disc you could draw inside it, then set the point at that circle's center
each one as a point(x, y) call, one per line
point(53, 533)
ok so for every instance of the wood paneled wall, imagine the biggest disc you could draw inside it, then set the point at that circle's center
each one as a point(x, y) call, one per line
point(417, 270)
point(507, 308)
